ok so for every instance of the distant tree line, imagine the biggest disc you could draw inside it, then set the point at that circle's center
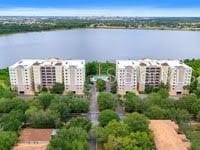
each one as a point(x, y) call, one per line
point(15, 26)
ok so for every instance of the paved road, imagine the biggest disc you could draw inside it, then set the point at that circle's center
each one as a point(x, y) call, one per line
point(120, 111)
point(93, 115)
point(93, 143)
point(94, 111)
point(108, 86)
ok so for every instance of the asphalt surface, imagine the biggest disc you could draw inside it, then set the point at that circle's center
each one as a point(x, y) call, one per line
point(94, 111)
point(93, 115)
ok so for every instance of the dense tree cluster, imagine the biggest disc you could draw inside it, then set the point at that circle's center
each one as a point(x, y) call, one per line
point(162, 89)
point(101, 85)
point(7, 139)
point(44, 111)
point(107, 101)
point(58, 88)
point(73, 139)
point(48, 110)
point(4, 77)
point(5, 91)
point(129, 134)
point(73, 136)
point(194, 63)
point(107, 68)
point(11, 120)
point(155, 106)
point(106, 116)
point(69, 23)
point(6, 28)
point(80, 122)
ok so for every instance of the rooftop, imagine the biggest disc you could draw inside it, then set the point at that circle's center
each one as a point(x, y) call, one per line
point(49, 62)
point(124, 63)
point(31, 135)
point(151, 62)
point(26, 63)
point(78, 63)
point(34, 139)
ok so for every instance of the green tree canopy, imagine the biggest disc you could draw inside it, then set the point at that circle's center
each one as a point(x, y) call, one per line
point(136, 122)
point(70, 139)
point(134, 141)
point(78, 105)
point(43, 119)
point(12, 121)
point(45, 99)
point(58, 88)
point(62, 108)
point(101, 85)
point(155, 112)
point(91, 68)
point(106, 101)
point(163, 92)
point(7, 105)
point(131, 102)
point(7, 140)
point(5, 92)
point(80, 122)
point(106, 116)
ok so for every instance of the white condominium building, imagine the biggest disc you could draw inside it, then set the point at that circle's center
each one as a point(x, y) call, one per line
point(153, 72)
point(46, 73)
point(21, 77)
point(149, 74)
point(127, 76)
point(74, 76)
point(30, 76)
point(179, 77)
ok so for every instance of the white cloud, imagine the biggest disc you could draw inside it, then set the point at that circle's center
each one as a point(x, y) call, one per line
point(137, 11)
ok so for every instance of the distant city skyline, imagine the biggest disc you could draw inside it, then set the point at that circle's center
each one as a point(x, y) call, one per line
point(148, 8)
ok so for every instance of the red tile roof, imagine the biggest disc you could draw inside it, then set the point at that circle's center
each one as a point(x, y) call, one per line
point(31, 135)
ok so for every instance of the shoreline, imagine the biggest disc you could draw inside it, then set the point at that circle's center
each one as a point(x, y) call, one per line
point(110, 27)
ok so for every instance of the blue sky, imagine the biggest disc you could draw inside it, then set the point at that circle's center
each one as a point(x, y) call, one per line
point(101, 7)
point(100, 3)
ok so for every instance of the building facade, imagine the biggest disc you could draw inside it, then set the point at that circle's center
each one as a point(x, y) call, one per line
point(46, 73)
point(127, 76)
point(21, 77)
point(30, 76)
point(179, 78)
point(147, 72)
point(74, 76)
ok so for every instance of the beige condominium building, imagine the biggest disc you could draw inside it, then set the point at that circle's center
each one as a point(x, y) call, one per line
point(179, 77)
point(21, 77)
point(149, 74)
point(153, 72)
point(127, 76)
point(46, 73)
point(74, 76)
point(30, 76)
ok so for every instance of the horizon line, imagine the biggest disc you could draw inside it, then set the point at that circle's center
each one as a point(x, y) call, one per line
point(106, 12)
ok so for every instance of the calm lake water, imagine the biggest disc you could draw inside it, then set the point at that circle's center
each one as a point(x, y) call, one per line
point(99, 44)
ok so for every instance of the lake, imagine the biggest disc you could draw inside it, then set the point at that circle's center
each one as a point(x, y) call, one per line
point(99, 44)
